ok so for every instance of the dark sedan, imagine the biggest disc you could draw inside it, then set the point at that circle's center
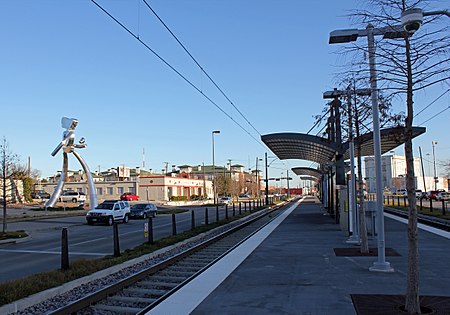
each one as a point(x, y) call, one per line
point(143, 210)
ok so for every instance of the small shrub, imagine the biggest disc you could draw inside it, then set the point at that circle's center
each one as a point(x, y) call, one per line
point(178, 198)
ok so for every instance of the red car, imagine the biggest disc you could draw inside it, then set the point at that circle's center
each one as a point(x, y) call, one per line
point(129, 197)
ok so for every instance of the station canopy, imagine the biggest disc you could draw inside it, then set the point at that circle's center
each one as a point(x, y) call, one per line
point(323, 151)
point(300, 146)
point(390, 139)
point(304, 172)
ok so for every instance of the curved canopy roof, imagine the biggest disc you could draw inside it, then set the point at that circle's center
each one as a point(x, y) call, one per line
point(307, 171)
point(390, 139)
point(322, 151)
point(300, 146)
point(313, 179)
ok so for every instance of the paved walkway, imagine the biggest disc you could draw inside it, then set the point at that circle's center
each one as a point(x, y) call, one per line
point(290, 267)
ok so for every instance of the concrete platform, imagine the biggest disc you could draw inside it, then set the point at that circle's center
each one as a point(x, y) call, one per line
point(290, 267)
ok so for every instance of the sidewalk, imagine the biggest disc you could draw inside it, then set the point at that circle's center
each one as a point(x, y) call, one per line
point(294, 270)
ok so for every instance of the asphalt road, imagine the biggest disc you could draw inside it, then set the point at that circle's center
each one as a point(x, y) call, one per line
point(43, 251)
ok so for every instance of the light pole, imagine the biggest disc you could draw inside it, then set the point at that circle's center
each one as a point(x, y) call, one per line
point(214, 167)
point(267, 177)
point(433, 143)
point(345, 36)
point(258, 188)
point(267, 182)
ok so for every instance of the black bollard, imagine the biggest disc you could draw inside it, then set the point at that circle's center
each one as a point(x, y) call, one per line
point(64, 250)
point(192, 220)
point(174, 225)
point(217, 213)
point(150, 230)
point(431, 205)
point(240, 208)
point(116, 240)
point(245, 206)
point(443, 207)
point(206, 216)
point(226, 211)
point(234, 210)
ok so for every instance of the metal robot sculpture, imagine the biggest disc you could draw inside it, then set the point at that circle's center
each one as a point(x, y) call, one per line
point(68, 146)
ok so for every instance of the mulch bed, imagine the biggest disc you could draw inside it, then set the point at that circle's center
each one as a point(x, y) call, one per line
point(355, 251)
point(377, 304)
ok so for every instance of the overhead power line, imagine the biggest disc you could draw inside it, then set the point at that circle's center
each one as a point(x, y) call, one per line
point(198, 64)
point(435, 115)
point(176, 71)
point(432, 103)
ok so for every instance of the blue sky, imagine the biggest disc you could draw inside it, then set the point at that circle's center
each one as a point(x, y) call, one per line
point(271, 58)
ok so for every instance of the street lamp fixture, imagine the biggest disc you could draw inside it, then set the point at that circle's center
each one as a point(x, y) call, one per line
point(214, 132)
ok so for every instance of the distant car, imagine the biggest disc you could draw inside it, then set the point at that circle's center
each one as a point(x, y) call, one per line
point(129, 196)
point(443, 195)
point(431, 195)
point(419, 193)
point(244, 196)
point(225, 200)
point(402, 192)
point(143, 210)
point(40, 194)
point(73, 196)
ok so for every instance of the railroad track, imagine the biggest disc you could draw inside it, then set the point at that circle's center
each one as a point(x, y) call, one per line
point(142, 291)
point(424, 219)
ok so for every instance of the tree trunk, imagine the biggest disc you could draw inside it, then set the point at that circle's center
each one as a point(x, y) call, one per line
point(412, 303)
point(4, 191)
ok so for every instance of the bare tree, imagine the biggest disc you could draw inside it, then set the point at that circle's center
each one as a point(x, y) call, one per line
point(8, 162)
point(406, 66)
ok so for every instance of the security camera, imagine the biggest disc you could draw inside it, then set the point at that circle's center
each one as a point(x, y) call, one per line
point(412, 20)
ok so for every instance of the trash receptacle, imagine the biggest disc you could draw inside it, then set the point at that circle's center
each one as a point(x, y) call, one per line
point(370, 209)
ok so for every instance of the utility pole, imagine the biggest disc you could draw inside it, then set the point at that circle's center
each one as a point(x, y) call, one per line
point(433, 143)
point(166, 168)
point(267, 182)
point(287, 178)
point(423, 172)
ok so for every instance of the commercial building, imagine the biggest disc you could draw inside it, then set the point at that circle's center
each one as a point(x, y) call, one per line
point(393, 169)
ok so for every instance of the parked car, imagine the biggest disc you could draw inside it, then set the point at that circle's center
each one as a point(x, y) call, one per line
point(143, 210)
point(402, 192)
point(129, 196)
point(226, 200)
point(443, 195)
point(419, 193)
point(73, 196)
point(244, 196)
point(109, 212)
point(39, 194)
point(432, 194)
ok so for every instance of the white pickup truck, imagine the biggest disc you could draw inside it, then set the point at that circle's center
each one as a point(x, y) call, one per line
point(108, 212)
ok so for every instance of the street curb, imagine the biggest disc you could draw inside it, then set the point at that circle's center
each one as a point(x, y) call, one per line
point(15, 240)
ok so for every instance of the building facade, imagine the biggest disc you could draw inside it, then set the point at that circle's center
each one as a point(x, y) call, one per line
point(393, 170)
point(112, 183)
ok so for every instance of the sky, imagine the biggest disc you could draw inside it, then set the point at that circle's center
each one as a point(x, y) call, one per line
point(270, 58)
